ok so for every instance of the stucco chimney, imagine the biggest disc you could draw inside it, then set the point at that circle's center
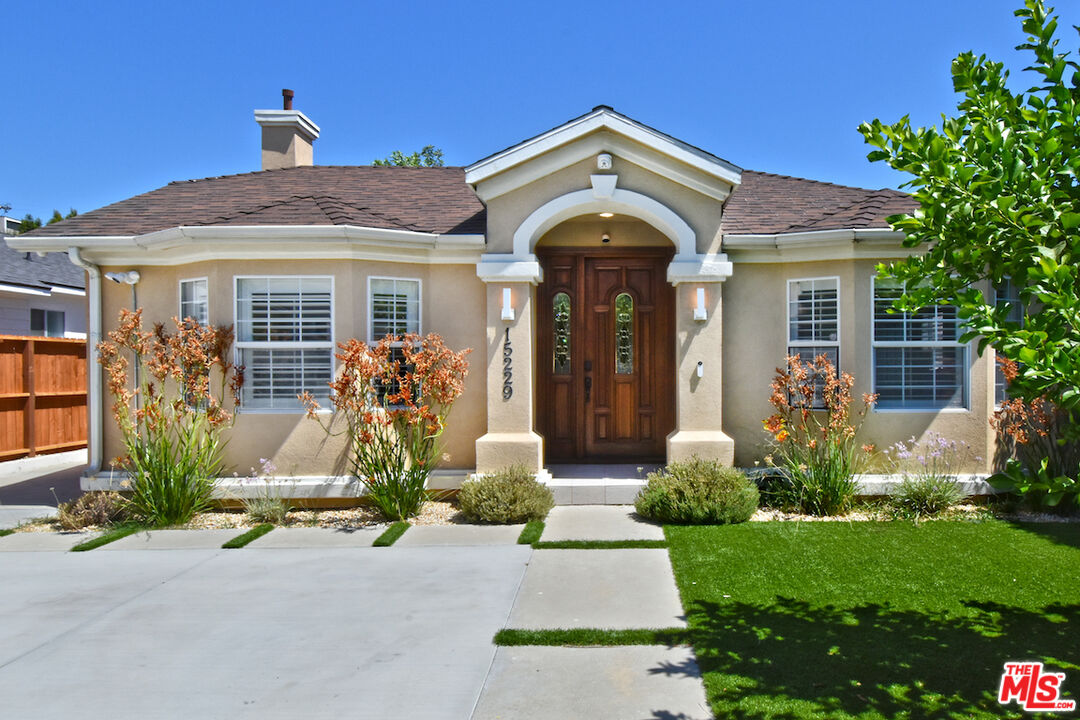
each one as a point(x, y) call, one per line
point(287, 136)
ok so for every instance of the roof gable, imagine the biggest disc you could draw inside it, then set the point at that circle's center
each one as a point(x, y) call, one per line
point(612, 132)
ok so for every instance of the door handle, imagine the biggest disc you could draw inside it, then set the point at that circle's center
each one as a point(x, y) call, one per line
point(588, 388)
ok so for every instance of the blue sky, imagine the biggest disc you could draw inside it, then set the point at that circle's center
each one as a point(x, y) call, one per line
point(107, 100)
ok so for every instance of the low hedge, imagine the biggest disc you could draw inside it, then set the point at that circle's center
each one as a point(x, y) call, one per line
point(697, 492)
point(512, 495)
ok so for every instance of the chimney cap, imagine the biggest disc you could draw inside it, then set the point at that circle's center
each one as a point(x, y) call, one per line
point(288, 118)
point(287, 97)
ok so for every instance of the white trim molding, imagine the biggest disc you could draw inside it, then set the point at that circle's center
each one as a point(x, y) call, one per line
point(186, 244)
point(288, 118)
point(603, 196)
point(500, 267)
point(852, 244)
point(703, 268)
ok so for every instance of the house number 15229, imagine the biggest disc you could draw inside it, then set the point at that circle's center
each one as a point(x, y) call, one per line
point(508, 368)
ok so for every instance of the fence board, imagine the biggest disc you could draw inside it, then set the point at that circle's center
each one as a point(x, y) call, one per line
point(42, 395)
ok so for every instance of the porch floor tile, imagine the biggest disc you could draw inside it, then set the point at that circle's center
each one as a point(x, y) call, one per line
point(614, 682)
point(461, 535)
point(614, 589)
point(598, 522)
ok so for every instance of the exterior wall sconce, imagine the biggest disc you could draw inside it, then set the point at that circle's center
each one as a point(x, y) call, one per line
point(507, 306)
point(700, 313)
point(700, 369)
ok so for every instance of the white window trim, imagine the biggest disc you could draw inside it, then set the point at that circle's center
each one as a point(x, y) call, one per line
point(180, 295)
point(789, 343)
point(968, 364)
point(238, 345)
point(372, 340)
point(997, 368)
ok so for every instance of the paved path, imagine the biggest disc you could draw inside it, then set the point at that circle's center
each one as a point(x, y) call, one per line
point(316, 623)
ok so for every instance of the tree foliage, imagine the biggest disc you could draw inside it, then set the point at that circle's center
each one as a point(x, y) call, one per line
point(999, 199)
point(29, 222)
point(428, 156)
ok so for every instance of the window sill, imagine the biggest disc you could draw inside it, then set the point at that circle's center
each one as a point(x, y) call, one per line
point(922, 411)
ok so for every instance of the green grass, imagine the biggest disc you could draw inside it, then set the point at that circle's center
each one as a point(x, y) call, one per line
point(591, 637)
point(531, 532)
point(598, 544)
point(876, 620)
point(120, 531)
point(392, 533)
point(253, 534)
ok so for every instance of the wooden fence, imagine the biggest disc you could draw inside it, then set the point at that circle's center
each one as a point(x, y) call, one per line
point(42, 395)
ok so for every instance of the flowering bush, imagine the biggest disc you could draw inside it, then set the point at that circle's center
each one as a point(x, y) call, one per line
point(266, 504)
point(929, 470)
point(815, 436)
point(1035, 457)
point(171, 412)
point(395, 397)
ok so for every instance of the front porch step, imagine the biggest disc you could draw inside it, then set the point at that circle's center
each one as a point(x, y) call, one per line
point(595, 484)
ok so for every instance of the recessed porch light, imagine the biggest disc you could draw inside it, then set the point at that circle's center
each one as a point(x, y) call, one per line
point(607, 214)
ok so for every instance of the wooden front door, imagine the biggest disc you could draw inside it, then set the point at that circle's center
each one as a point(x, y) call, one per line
point(606, 355)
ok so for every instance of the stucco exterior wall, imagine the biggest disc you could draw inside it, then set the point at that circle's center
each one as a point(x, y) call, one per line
point(755, 343)
point(452, 300)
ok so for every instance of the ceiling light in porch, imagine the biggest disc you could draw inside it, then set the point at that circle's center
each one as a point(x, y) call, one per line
point(607, 214)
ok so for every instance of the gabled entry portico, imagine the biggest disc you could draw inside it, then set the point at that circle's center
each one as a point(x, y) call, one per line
point(645, 382)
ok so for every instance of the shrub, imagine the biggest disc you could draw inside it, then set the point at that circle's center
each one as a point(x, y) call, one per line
point(929, 469)
point(927, 495)
point(511, 495)
point(1036, 459)
point(395, 398)
point(171, 412)
point(267, 504)
point(94, 508)
point(697, 492)
point(815, 436)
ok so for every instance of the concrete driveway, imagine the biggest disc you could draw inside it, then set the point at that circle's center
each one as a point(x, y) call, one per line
point(273, 633)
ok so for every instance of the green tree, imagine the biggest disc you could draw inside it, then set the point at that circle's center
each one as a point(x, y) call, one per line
point(29, 222)
point(999, 199)
point(57, 217)
point(429, 156)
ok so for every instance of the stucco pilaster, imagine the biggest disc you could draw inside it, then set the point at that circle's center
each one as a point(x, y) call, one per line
point(698, 416)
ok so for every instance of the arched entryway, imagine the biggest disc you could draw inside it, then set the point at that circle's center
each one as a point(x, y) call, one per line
point(605, 341)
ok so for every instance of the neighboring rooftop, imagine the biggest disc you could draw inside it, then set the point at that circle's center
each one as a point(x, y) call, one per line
point(438, 200)
point(39, 273)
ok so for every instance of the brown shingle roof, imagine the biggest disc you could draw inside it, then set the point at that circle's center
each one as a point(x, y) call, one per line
point(437, 200)
point(765, 203)
point(434, 200)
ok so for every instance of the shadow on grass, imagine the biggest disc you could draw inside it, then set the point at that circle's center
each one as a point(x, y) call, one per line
point(791, 660)
point(1062, 533)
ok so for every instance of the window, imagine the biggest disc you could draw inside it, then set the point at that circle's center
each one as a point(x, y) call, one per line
point(284, 336)
point(918, 364)
point(561, 342)
point(814, 319)
point(49, 323)
point(395, 307)
point(624, 334)
point(194, 300)
point(1006, 295)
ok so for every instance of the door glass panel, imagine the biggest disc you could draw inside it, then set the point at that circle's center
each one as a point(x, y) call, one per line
point(624, 334)
point(561, 311)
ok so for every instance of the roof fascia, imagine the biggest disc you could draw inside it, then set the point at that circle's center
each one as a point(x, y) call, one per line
point(196, 244)
point(840, 244)
point(602, 119)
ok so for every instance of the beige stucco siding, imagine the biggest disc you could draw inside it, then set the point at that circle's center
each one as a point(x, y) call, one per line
point(755, 343)
point(452, 299)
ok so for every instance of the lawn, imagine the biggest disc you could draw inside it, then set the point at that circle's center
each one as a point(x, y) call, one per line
point(876, 620)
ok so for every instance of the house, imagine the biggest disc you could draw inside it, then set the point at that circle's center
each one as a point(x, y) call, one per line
point(40, 294)
point(645, 290)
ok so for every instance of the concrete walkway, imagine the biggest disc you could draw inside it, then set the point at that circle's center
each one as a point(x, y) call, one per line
point(315, 622)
